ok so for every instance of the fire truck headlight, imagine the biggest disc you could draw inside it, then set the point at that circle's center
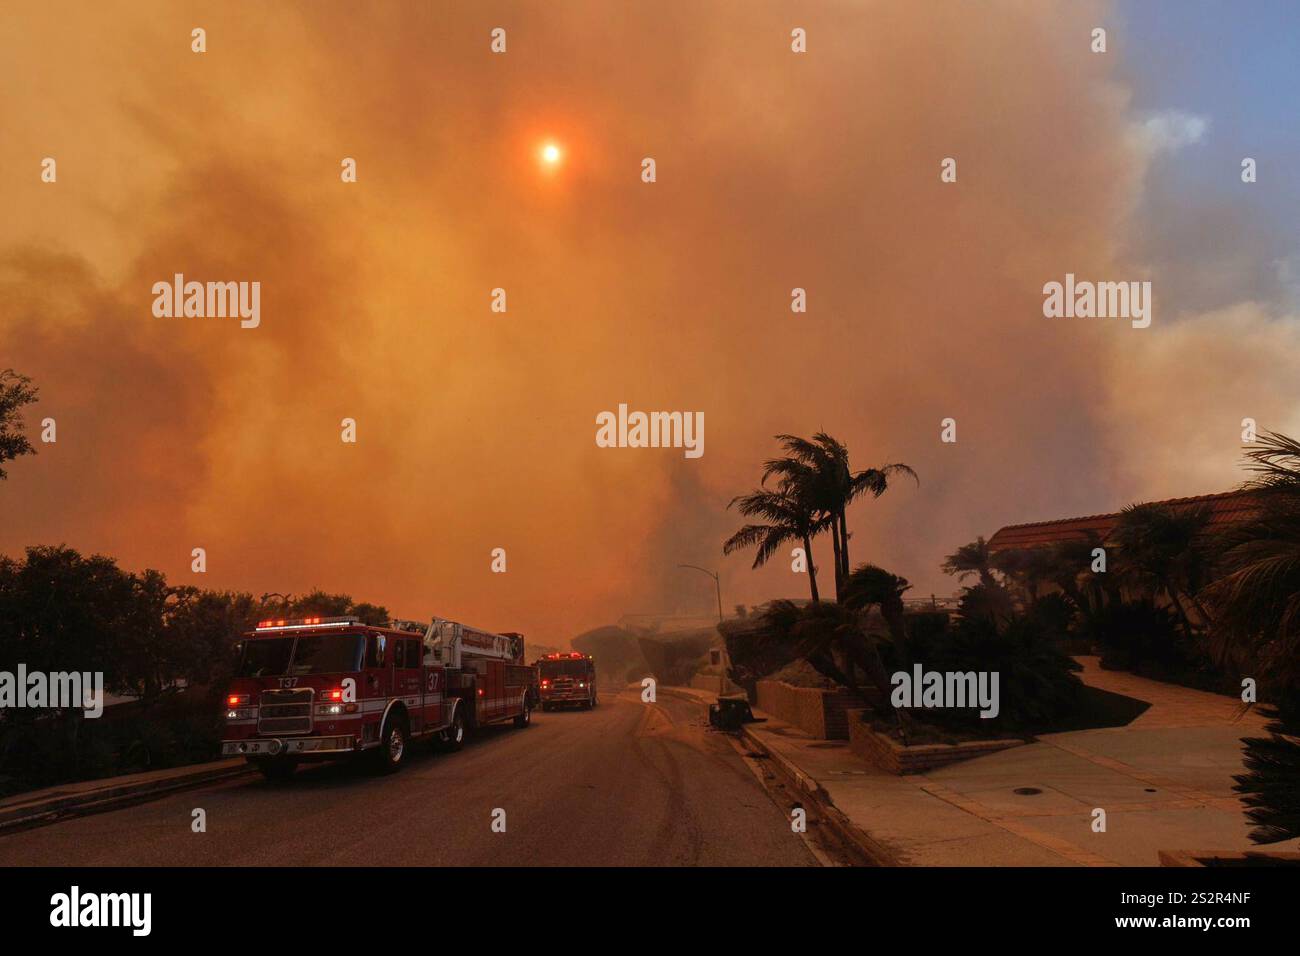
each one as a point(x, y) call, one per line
point(239, 713)
point(581, 684)
point(328, 710)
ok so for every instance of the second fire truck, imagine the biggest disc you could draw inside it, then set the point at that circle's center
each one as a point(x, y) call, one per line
point(567, 679)
point(328, 687)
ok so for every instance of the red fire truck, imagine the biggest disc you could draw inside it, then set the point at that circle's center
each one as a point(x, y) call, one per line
point(321, 688)
point(567, 679)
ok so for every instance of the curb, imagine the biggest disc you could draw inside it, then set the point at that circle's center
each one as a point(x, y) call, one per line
point(52, 809)
point(875, 853)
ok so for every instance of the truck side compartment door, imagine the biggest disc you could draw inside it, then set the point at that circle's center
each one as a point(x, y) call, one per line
point(434, 686)
point(408, 679)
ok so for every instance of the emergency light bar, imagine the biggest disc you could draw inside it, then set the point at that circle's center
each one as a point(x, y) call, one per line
point(283, 625)
point(575, 656)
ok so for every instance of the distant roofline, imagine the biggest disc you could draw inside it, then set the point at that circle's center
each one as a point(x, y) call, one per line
point(1034, 534)
point(1112, 514)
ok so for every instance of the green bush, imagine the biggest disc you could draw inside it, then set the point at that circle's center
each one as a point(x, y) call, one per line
point(1037, 686)
point(1138, 634)
point(1055, 614)
point(1269, 785)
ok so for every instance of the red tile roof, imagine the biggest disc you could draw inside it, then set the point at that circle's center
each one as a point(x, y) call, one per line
point(1225, 507)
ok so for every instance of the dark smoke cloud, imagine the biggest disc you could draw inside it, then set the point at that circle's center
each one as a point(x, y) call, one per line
point(477, 430)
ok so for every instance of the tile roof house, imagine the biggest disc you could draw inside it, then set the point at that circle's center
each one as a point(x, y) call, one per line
point(1225, 508)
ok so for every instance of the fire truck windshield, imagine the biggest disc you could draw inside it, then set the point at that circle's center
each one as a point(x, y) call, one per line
point(327, 654)
point(314, 654)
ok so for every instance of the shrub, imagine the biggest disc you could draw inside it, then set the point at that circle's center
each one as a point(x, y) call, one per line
point(1037, 686)
point(1273, 769)
point(1055, 614)
point(1132, 634)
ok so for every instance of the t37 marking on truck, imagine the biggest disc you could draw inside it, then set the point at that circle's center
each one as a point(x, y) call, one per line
point(323, 688)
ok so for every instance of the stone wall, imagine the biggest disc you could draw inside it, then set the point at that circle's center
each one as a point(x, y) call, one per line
point(887, 754)
point(818, 713)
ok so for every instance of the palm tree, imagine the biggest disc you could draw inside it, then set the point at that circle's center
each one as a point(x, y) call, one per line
point(1256, 599)
point(788, 517)
point(1164, 550)
point(1255, 604)
point(868, 585)
point(819, 469)
point(1072, 572)
point(1028, 569)
point(1273, 771)
point(1275, 460)
point(973, 558)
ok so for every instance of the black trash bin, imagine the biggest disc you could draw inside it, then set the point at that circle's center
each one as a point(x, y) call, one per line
point(730, 712)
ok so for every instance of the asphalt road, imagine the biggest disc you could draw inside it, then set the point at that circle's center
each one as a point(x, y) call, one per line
point(628, 784)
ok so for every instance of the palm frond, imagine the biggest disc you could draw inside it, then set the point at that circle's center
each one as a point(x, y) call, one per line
point(1275, 461)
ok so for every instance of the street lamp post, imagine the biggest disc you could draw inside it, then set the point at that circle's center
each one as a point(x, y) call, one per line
point(717, 583)
point(726, 658)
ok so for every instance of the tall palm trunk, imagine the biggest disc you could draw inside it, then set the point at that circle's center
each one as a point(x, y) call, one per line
point(837, 545)
point(1182, 612)
point(812, 568)
point(844, 544)
point(895, 618)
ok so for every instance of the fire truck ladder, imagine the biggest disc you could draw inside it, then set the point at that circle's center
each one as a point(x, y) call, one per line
point(455, 643)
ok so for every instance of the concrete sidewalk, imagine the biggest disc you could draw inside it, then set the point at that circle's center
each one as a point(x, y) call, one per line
point(88, 796)
point(1164, 781)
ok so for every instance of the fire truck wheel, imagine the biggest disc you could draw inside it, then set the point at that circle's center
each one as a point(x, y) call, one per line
point(453, 738)
point(526, 718)
point(390, 754)
point(275, 768)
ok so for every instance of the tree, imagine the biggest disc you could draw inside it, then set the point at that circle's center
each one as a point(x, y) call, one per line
point(1071, 570)
point(973, 558)
point(869, 586)
point(829, 636)
point(203, 628)
point(1164, 550)
point(1027, 569)
point(1275, 462)
point(16, 391)
point(788, 517)
point(818, 470)
point(142, 650)
point(1273, 771)
point(318, 603)
point(60, 611)
point(1255, 603)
